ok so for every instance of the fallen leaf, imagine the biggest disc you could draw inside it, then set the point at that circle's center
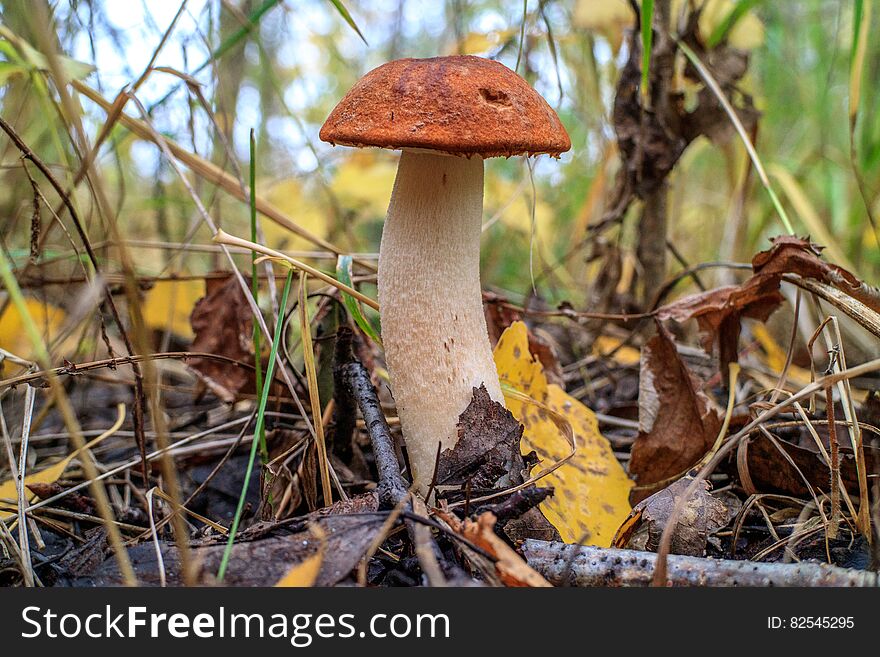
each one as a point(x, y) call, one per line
point(486, 459)
point(591, 489)
point(511, 569)
point(605, 346)
point(782, 467)
point(798, 255)
point(702, 515)
point(719, 312)
point(305, 573)
point(47, 476)
point(13, 338)
point(72, 501)
point(221, 322)
point(486, 455)
point(261, 555)
point(677, 424)
point(168, 304)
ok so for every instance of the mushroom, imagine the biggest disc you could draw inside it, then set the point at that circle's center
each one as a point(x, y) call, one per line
point(446, 114)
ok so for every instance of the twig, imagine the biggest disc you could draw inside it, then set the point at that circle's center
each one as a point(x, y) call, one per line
point(578, 565)
point(834, 522)
point(357, 388)
point(74, 369)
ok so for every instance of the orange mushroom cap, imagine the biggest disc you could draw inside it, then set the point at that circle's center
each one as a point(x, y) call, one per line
point(461, 105)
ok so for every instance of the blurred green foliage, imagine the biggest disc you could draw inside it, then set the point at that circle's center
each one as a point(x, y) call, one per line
point(279, 68)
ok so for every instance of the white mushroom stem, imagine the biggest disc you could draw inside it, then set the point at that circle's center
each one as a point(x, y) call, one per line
point(433, 328)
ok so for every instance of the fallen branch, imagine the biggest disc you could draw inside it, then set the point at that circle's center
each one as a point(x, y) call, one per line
point(353, 386)
point(578, 565)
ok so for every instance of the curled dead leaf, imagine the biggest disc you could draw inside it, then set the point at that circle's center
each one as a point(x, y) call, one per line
point(511, 569)
point(677, 421)
point(702, 515)
point(221, 322)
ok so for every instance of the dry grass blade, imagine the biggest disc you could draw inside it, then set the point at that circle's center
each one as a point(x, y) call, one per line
point(809, 215)
point(23, 533)
point(165, 146)
point(222, 237)
point(160, 562)
point(212, 173)
point(70, 420)
point(710, 81)
point(314, 397)
point(858, 311)
point(806, 392)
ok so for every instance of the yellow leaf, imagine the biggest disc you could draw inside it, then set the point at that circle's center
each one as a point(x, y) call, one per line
point(626, 355)
point(775, 357)
point(168, 305)
point(8, 489)
point(608, 17)
point(288, 196)
point(591, 497)
point(611, 17)
point(479, 43)
point(746, 34)
point(48, 318)
point(304, 573)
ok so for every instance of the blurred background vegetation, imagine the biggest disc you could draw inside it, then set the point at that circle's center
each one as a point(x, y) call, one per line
point(278, 67)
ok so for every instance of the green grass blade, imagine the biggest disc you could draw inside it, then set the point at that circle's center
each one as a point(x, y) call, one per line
point(232, 40)
point(723, 28)
point(261, 420)
point(348, 19)
point(858, 13)
point(647, 43)
point(861, 30)
point(343, 275)
point(255, 289)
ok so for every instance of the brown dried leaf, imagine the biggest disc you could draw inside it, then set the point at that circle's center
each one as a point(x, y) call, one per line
point(677, 424)
point(796, 255)
point(782, 467)
point(719, 312)
point(221, 321)
point(510, 568)
point(702, 515)
point(487, 452)
point(261, 556)
point(72, 501)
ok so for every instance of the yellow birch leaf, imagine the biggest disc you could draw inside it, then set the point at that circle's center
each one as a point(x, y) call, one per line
point(775, 357)
point(626, 355)
point(9, 490)
point(304, 573)
point(591, 496)
point(48, 318)
point(289, 196)
point(168, 305)
point(364, 182)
